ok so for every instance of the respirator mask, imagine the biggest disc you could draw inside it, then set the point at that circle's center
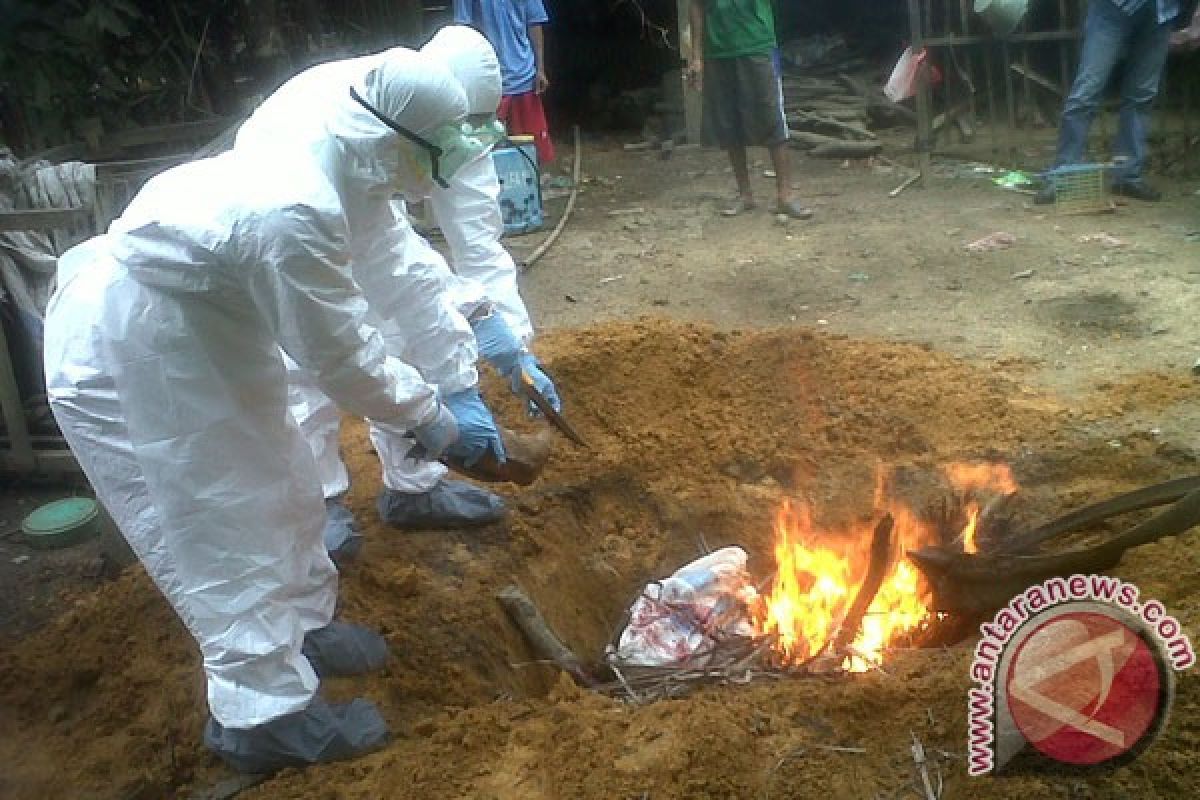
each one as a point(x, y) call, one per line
point(440, 155)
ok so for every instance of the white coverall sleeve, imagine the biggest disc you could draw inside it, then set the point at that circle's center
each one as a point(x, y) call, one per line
point(469, 215)
point(420, 305)
point(316, 312)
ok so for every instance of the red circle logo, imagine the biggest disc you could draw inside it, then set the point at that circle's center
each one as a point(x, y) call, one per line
point(1085, 688)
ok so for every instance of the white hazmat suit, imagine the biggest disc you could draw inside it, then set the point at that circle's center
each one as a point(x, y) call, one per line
point(163, 366)
point(468, 213)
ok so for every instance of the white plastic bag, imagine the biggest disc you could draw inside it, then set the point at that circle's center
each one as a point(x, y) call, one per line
point(903, 81)
point(680, 619)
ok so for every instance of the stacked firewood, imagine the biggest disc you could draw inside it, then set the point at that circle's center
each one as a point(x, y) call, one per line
point(833, 102)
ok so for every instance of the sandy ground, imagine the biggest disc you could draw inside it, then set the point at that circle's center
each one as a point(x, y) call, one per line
point(718, 366)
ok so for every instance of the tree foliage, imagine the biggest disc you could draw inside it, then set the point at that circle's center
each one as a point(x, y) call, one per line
point(70, 69)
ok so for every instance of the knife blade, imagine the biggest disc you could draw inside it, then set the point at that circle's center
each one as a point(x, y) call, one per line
point(543, 405)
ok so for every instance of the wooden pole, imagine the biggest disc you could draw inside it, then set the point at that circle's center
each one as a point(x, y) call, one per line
point(693, 98)
point(14, 411)
point(924, 123)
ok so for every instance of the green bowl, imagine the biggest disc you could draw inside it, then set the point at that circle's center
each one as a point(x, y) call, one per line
point(62, 523)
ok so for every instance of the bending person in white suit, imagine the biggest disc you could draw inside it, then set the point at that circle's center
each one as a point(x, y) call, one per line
point(163, 365)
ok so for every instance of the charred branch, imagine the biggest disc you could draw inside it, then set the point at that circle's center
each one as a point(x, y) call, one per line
point(877, 569)
point(541, 636)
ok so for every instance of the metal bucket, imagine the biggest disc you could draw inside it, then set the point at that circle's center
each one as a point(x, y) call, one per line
point(1002, 16)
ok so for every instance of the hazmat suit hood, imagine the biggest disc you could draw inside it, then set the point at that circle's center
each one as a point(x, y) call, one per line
point(471, 59)
point(312, 118)
point(412, 90)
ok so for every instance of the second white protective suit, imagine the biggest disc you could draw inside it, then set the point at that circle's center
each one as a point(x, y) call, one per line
point(469, 214)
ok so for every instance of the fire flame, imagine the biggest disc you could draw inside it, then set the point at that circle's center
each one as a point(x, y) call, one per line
point(970, 478)
point(820, 571)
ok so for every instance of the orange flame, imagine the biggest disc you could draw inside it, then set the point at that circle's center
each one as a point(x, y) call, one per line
point(819, 572)
point(968, 534)
point(968, 478)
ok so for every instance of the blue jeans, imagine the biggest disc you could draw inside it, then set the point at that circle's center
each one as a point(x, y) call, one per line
point(1108, 35)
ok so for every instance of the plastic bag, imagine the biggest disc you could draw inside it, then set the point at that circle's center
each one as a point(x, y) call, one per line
point(680, 619)
point(903, 81)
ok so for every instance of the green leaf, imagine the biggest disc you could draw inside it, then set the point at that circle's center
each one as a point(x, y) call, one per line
point(108, 21)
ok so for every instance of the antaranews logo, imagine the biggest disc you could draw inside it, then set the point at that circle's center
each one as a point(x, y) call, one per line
point(1077, 668)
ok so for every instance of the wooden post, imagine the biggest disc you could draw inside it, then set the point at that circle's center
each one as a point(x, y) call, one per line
point(924, 124)
point(693, 98)
point(21, 457)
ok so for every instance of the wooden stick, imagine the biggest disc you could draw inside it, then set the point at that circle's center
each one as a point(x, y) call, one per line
point(846, 150)
point(806, 118)
point(562, 222)
point(918, 754)
point(911, 180)
point(881, 556)
point(540, 636)
point(1040, 80)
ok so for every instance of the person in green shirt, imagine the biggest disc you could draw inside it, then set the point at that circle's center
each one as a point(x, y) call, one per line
point(733, 61)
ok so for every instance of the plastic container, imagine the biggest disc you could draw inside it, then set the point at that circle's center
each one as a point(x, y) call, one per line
point(62, 523)
point(1003, 16)
point(520, 193)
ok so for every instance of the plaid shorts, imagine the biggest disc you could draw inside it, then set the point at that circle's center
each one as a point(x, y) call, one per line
point(743, 102)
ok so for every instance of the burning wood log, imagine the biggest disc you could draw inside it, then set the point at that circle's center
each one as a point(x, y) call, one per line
point(877, 568)
point(541, 637)
point(981, 583)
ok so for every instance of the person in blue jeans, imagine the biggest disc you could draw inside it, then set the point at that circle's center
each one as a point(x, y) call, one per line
point(1137, 32)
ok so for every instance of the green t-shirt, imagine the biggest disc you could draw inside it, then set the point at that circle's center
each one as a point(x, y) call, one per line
point(735, 28)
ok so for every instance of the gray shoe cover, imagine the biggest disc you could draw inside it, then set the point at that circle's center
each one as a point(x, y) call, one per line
point(342, 648)
point(320, 733)
point(343, 540)
point(450, 504)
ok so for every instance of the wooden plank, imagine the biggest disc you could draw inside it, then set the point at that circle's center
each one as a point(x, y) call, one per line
point(43, 219)
point(1034, 36)
point(39, 462)
point(158, 134)
point(1032, 75)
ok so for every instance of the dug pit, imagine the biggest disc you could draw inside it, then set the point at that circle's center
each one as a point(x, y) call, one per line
point(698, 436)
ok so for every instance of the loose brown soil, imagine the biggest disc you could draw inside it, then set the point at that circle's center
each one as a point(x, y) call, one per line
point(699, 431)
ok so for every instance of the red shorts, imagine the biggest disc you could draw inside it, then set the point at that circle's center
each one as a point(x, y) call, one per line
point(522, 114)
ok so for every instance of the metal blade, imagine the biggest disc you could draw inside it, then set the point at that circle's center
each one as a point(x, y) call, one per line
point(543, 405)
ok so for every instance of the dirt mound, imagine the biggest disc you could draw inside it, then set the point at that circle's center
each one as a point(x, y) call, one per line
point(697, 435)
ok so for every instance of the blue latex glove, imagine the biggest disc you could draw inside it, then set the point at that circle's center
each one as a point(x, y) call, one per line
point(528, 364)
point(500, 346)
point(477, 431)
point(497, 343)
